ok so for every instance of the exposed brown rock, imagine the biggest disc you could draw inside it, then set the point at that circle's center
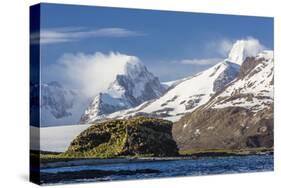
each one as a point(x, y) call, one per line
point(227, 128)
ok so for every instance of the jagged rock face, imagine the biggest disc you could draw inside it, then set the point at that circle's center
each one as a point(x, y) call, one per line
point(240, 116)
point(130, 89)
point(248, 65)
point(138, 136)
point(226, 128)
point(151, 89)
point(229, 74)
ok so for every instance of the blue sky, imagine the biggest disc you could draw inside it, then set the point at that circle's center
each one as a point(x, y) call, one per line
point(162, 40)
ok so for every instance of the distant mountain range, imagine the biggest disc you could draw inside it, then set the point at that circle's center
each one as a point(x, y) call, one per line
point(186, 95)
point(60, 106)
point(244, 79)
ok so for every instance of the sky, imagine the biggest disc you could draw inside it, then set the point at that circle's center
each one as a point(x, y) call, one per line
point(171, 44)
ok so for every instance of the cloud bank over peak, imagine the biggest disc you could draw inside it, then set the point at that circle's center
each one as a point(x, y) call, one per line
point(92, 73)
point(224, 46)
point(244, 48)
point(250, 46)
point(233, 50)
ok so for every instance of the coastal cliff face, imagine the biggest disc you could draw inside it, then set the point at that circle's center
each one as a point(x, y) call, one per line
point(138, 136)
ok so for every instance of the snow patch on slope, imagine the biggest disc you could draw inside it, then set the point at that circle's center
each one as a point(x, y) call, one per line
point(187, 95)
point(254, 91)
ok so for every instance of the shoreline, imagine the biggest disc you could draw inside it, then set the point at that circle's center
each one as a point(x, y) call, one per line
point(68, 162)
point(212, 166)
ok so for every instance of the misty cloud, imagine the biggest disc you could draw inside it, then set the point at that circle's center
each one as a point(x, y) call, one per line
point(89, 73)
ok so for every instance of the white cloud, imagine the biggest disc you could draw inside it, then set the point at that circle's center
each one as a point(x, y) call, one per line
point(91, 73)
point(222, 49)
point(223, 46)
point(68, 34)
point(253, 46)
point(207, 61)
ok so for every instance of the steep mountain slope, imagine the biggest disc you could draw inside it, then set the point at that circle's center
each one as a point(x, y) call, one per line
point(131, 87)
point(253, 89)
point(239, 116)
point(189, 94)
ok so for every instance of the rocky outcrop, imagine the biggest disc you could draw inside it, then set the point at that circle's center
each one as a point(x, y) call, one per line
point(225, 128)
point(138, 136)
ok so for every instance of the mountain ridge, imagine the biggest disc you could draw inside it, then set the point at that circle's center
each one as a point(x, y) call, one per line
point(240, 116)
point(178, 100)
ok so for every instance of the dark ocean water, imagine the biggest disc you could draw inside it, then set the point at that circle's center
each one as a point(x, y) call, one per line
point(203, 166)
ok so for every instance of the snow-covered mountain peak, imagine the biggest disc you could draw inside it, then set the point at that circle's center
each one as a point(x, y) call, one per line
point(237, 52)
point(133, 67)
point(186, 94)
point(122, 64)
point(131, 87)
point(129, 66)
point(244, 48)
